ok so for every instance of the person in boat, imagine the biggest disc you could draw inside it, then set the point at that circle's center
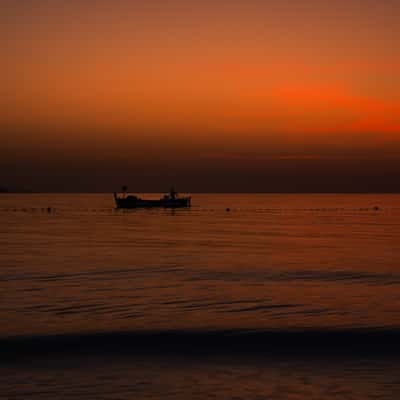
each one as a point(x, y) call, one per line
point(172, 193)
point(124, 191)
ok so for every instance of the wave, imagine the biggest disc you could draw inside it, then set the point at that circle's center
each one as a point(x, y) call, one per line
point(312, 343)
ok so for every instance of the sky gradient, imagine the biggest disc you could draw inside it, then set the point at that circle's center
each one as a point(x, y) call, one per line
point(212, 95)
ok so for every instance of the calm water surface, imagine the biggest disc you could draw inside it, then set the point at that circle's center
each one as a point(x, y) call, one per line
point(282, 262)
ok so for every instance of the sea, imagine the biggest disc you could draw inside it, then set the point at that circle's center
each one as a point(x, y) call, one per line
point(242, 296)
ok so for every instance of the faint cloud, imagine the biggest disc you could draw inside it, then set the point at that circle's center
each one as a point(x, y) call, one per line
point(279, 157)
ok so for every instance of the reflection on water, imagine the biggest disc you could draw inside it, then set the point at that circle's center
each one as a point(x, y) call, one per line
point(273, 262)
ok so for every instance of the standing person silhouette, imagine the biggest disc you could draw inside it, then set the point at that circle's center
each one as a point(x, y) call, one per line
point(172, 193)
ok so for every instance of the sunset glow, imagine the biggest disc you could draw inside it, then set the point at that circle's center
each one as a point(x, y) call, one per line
point(244, 78)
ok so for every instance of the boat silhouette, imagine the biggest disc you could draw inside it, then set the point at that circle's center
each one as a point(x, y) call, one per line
point(170, 200)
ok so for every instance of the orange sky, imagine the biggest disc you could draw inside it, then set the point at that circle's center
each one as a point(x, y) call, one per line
point(299, 78)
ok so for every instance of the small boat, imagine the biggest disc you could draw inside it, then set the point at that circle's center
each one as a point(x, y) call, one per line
point(171, 200)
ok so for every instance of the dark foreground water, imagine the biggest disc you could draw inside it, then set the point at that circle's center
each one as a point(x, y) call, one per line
point(283, 297)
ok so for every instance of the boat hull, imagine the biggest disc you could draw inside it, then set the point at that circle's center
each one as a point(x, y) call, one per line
point(134, 202)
